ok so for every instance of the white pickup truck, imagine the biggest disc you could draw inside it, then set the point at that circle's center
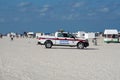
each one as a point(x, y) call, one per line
point(63, 39)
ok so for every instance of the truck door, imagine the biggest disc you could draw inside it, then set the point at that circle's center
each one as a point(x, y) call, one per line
point(65, 39)
point(62, 39)
point(71, 39)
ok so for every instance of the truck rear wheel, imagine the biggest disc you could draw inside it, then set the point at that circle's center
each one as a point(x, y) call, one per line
point(80, 45)
point(48, 44)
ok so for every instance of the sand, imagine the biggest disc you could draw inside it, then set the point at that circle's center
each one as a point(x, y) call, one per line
point(23, 59)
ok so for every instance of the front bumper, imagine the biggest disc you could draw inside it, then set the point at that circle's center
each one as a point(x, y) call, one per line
point(86, 44)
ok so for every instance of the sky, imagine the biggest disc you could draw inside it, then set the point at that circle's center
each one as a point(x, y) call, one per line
point(52, 15)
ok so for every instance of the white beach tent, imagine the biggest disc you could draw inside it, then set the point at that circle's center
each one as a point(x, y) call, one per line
point(30, 34)
point(80, 34)
point(111, 35)
point(89, 35)
point(11, 33)
point(39, 34)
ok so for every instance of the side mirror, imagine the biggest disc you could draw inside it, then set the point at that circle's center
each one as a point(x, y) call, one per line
point(73, 37)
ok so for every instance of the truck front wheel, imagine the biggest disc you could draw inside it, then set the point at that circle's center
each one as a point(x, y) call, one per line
point(80, 45)
point(48, 44)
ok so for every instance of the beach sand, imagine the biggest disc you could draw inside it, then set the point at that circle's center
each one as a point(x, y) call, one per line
point(23, 59)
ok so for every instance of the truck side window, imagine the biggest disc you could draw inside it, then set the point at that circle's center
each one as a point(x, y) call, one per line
point(65, 35)
point(71, 36)
point(60, 35)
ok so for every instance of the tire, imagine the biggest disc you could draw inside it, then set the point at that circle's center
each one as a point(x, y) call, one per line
point(38, 43)
point(48, 44)
point(80, 45)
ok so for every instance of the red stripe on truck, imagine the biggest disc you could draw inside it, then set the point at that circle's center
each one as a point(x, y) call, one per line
point(62, 39)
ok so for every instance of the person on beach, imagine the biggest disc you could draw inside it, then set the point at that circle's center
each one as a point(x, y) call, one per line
point(94, 41)
point(11, 36)
point(1, 36)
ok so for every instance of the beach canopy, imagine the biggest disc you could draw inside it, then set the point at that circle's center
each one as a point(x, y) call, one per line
point(30, 33)
point(111, 31)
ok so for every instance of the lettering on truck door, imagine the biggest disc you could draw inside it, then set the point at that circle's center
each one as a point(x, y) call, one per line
point(62, 40)
point(71, 41)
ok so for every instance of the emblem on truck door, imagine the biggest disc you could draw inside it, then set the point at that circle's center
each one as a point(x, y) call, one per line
point(64, 42)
